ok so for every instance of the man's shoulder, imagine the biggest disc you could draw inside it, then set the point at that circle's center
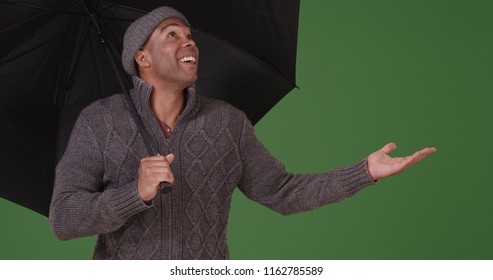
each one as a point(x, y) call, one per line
point(114, 103)
point(217, 107)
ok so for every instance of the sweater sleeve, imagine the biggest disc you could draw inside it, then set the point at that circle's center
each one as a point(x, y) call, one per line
point(266, 181)
point(80, 205)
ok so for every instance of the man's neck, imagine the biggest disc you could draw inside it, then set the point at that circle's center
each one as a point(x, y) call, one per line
point(167, 105)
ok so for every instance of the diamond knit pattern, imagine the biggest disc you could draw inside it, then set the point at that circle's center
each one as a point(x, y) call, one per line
point(208, 181)
point(136, 239)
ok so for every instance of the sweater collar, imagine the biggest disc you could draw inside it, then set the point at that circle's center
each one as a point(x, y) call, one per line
point(141, 95)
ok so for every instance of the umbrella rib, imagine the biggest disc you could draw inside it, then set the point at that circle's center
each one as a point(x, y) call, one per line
point(35, 16)
point(117, 4)
point(7, 60)
point(40, 68)
point(26, 5)
point(79, 55)
point(130, 8)
point(57, 9)
point(109, 7)
point(21, 22)
point(44, 8)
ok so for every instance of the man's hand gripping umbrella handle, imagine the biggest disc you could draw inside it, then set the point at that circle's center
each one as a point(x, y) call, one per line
point(155, 175)
point(164, 187)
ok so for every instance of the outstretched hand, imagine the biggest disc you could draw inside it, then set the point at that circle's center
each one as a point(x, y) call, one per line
point(381, 165)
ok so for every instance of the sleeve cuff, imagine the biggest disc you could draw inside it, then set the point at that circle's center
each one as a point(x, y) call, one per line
point(355, 177)
point(125, 202)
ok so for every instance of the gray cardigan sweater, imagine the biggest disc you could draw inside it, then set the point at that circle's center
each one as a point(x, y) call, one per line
point(215, 151)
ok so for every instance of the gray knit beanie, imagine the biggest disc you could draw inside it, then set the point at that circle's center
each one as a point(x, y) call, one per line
point(140, 30)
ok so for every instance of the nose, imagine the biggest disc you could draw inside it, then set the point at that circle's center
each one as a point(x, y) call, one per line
point(190, 42)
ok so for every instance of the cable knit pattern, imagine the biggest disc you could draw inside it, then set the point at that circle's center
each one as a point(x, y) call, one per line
point(215, 151)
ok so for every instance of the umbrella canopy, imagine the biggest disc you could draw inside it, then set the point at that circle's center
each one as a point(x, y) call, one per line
point(52, 65)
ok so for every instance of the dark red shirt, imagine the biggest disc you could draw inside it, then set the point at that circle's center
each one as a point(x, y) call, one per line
point(166, 129)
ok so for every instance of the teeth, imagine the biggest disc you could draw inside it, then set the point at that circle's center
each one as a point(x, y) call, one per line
point(188, 59)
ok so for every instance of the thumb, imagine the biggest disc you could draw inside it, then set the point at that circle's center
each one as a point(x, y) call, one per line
point(388, 148)
point(169, 158)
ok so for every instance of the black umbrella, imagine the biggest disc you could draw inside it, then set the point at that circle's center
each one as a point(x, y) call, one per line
point(52, 65)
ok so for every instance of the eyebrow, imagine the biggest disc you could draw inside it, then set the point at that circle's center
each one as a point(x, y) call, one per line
point(168, 25)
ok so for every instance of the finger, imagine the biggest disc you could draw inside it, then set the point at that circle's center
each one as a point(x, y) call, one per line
point(166, 177)
point(158, 160)
point(158, 164)
point(162, 164)
point(153, 158)
point(420, 155)
point(157, 169)
point(430, 151)
point(157, 175)
point(169, 158)
point(412, 160)
point(388, 148)
point(424, 153)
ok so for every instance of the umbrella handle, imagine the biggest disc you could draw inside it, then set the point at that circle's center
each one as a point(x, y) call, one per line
point(164, 187)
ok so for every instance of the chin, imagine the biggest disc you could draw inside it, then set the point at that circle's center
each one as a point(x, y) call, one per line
point(193, 80)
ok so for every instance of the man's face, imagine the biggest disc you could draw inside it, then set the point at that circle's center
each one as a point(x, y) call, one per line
point(172, 54)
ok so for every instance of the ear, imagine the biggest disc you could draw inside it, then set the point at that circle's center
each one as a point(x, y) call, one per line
point(142, 59)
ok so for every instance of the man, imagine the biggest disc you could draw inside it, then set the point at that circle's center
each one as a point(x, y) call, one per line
point(106, 184)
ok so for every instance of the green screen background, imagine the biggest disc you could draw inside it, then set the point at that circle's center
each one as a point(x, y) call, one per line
point(419, 73)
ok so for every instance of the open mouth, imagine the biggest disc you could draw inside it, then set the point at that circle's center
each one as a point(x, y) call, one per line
point(188, 59)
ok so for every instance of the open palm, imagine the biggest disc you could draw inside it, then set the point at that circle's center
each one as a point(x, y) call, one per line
point(381, 165)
